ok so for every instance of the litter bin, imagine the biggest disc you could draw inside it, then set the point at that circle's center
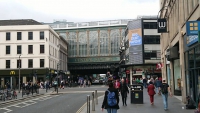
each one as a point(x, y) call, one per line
point(136, 94)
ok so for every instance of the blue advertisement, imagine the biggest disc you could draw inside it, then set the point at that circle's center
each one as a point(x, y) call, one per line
point(192, 27)
point(192, 39)
point(135, 39)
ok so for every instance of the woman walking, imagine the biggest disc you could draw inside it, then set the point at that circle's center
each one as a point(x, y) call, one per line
point(151, 92)
point(111, 99)
point(124, 91)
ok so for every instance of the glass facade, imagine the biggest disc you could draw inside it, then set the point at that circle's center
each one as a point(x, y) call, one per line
point(192, 65)
point(93, 42)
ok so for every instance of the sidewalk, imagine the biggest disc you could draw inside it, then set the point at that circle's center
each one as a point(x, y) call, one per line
point(174, 105)
point(19, 95)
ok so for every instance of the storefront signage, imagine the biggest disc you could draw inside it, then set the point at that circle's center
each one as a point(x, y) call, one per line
point(192, 27)
point(94, 59)
point(12, 72)
point(192, 39)
point(162, 25)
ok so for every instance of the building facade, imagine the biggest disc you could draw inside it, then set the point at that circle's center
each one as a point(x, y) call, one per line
point(31, 46)
point(142, 49)
point(179, 51)
point(93, 46)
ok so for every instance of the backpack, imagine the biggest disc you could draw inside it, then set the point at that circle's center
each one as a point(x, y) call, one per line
point(164, 89)
point(112, 101)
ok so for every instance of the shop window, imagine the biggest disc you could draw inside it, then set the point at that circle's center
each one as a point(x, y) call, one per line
point(197, 56)
point(191, 58)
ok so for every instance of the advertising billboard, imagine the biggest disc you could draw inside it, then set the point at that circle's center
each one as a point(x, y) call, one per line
point(135, 46)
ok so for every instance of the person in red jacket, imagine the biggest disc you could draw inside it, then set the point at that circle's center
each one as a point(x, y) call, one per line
point(151, 92)
point(117, 85)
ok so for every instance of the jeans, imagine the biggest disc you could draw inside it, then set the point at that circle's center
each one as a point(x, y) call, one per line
point(145, 85)
point(165, 100)
point(157, 90)
point(111, 110)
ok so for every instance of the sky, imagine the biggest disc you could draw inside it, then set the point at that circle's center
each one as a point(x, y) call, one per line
point(76, 10)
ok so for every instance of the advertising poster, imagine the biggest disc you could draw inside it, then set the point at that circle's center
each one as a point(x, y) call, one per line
point(136, 48)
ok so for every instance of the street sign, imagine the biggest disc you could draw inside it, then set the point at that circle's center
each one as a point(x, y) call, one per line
point(162, 25)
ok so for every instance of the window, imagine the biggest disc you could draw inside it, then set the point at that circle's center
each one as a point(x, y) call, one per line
point(7, 49)
point(41, 48)
point(30, 49)
point(19, 36)
point(19, 63)
point(7, 35)
point(150, 25)
point(150, 55)
point(41, 35)
point(7, 63)
point(30, 35)
point(151, 39)
point(19, 49)
point(30, 63)
point(41, 62)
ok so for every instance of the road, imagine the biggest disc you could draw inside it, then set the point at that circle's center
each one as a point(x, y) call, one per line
point(69, 100)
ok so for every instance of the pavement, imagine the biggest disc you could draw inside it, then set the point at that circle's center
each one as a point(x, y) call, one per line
point(174, 106)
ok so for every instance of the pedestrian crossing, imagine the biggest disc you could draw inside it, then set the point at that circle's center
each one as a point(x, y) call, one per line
point(8, 109)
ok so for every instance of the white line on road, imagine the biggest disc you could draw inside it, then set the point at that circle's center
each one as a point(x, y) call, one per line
point(27, 103)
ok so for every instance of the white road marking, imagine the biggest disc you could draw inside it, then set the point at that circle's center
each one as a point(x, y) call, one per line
point(26, 103)
point(7, 110)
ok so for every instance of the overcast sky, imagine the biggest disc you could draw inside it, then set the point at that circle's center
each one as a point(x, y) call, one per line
point(76, 10)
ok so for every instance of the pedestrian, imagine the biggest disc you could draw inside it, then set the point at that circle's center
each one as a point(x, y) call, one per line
point(151, 92)
point(165, 91)
point(111, 99)
point(117, 84)
point(124, 91)
point(157, 85)
point(145, 82)
point(190, 103)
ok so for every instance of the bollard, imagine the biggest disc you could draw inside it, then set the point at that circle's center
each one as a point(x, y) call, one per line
point(88, 104)
point(96, 97)
point(93, 104)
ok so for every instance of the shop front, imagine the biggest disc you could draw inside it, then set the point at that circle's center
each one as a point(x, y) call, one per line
point(192, 59)
point(26, 75)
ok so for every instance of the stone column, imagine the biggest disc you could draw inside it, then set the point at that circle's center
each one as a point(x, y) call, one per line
point(2, 82)
point(98, 42)
point(24, 79)
point(131, 75)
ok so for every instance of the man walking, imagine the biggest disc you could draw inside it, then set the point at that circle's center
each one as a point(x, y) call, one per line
point(124, 90)
point(145, 82)
point(165, 91)
point(157, 85)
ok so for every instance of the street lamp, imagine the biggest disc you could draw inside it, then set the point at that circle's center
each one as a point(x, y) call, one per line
point(57, 76)
point(19, 72)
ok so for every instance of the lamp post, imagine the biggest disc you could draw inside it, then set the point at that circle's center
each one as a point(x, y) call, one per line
point(57, 76)
point(19, 72)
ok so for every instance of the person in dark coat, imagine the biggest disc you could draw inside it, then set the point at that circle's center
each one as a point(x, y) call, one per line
point(151, 92)
point(124, 90)
point(190, 104)
point(110, 109)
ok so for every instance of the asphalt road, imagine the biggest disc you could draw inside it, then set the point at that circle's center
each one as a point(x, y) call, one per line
point(68, 101)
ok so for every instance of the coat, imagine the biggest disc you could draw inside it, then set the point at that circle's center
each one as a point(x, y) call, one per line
point(105, 103)
point(150, 89)
point(123, 89)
